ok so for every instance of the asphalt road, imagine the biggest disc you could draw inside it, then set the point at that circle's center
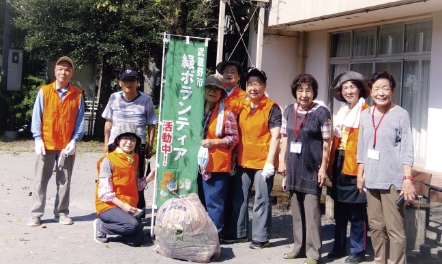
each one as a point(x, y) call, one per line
point(55, 243)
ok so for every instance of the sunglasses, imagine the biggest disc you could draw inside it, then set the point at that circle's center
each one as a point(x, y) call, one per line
point(133, 79)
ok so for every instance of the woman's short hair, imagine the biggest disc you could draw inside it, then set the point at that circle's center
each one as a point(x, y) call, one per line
point(307, 79)
point(381, 75)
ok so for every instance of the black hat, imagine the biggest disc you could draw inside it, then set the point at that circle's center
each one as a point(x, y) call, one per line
point(348, 76)
point(220, 67)
point(128, 72)
point(256, 72)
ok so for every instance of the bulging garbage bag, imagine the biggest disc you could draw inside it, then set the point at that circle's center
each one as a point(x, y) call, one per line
point(184, 230)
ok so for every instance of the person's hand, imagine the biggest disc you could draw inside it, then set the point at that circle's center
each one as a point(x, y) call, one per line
point(106, 149)
point(70, 148)
point(284, 184)
point(148, 151)
point(129, 209)
point(360, 183)
point(282, 168)
point(40, 147)
point(207, 143)
point(322, 177)
point(151, 176)
point(408, 190)
point(268, 171)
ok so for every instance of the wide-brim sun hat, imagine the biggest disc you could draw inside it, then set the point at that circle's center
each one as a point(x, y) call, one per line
point(348, 76)
point(127, 129)
point(215, 80)
point(220, 67)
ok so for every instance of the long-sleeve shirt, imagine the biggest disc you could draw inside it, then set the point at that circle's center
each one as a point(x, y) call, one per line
point(394, 143)
point(230, 127)
point(37, 114)
point(106, 188)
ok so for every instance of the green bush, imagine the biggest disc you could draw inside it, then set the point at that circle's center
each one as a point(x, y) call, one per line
point(21, 103)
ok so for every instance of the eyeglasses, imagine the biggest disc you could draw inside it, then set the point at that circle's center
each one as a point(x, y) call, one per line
point(254, 84)
point(129, 138)
point(129, 80)
point(385, 89)
point(230, 72)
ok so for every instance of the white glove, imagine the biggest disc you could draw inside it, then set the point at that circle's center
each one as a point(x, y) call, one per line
point(268, 171)
point(70, 148)
point(284, 184)
point(40, 147)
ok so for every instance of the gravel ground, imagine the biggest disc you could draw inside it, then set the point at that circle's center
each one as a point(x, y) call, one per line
point(55, 243)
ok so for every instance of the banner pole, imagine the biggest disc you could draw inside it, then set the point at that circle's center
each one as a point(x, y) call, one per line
point(154, 206)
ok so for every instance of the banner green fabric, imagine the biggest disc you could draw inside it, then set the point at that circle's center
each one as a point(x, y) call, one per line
point(181, 115)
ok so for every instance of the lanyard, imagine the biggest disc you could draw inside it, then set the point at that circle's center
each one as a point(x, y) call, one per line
point(296, 122)
point(376, 127)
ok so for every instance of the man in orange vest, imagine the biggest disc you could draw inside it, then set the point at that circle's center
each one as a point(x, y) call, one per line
point(57, 125)
point(231, 72)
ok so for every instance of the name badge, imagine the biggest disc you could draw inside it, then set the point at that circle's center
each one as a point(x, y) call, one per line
point(295, 147)
point(373, 154)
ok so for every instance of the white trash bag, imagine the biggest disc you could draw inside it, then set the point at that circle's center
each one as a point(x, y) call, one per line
point(184, 230)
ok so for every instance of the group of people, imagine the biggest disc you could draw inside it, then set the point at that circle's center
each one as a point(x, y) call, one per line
point(367, 152)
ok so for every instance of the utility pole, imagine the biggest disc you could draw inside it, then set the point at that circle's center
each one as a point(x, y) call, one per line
point(260, 34)
point(5, 57)
point(221, 23)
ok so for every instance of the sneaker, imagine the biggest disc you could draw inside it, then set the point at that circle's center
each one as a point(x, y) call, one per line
point(230, 239)
point(99, 236)
point(335, 254)
point(255, 244)
point(63, 219)
point(34, 221)
point(355, 258)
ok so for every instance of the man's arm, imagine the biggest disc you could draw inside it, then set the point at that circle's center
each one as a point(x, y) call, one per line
point(79, 123)
point(37, 114)
point(107, 129)
point(151, 133)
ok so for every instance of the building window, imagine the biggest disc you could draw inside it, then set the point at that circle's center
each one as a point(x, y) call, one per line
point(402, 49)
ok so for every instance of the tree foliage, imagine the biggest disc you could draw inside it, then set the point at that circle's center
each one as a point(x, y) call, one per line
point(110, 33)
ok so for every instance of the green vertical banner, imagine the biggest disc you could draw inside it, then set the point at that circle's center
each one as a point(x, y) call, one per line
point(181, 114)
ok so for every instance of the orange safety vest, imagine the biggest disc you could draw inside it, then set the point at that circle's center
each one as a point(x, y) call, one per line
point(220, 158)
point(58, 120)
point(350, 166)
point(235, 99)
point(124, 180)
point(254, 134)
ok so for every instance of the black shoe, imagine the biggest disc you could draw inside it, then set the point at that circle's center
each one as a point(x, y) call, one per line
point(355, 258)
point(334, 254)
point(230, 239)
point(255, 244)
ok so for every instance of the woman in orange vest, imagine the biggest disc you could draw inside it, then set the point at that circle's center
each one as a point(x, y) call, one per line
point(116, 194)
point(351, 88)
point(259, 125)
point(220, 137)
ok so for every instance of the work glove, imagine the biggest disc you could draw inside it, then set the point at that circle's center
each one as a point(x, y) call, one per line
point(268, 171)
point(40, 147)
point(70, 148)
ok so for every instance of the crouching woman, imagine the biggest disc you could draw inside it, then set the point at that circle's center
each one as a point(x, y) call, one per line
point(116, 194)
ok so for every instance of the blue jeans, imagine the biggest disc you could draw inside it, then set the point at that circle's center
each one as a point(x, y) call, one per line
point(117, 222)
point(215, 190)
point(262, 207)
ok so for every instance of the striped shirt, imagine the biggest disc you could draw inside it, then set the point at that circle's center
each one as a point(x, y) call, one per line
point(138, 111)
